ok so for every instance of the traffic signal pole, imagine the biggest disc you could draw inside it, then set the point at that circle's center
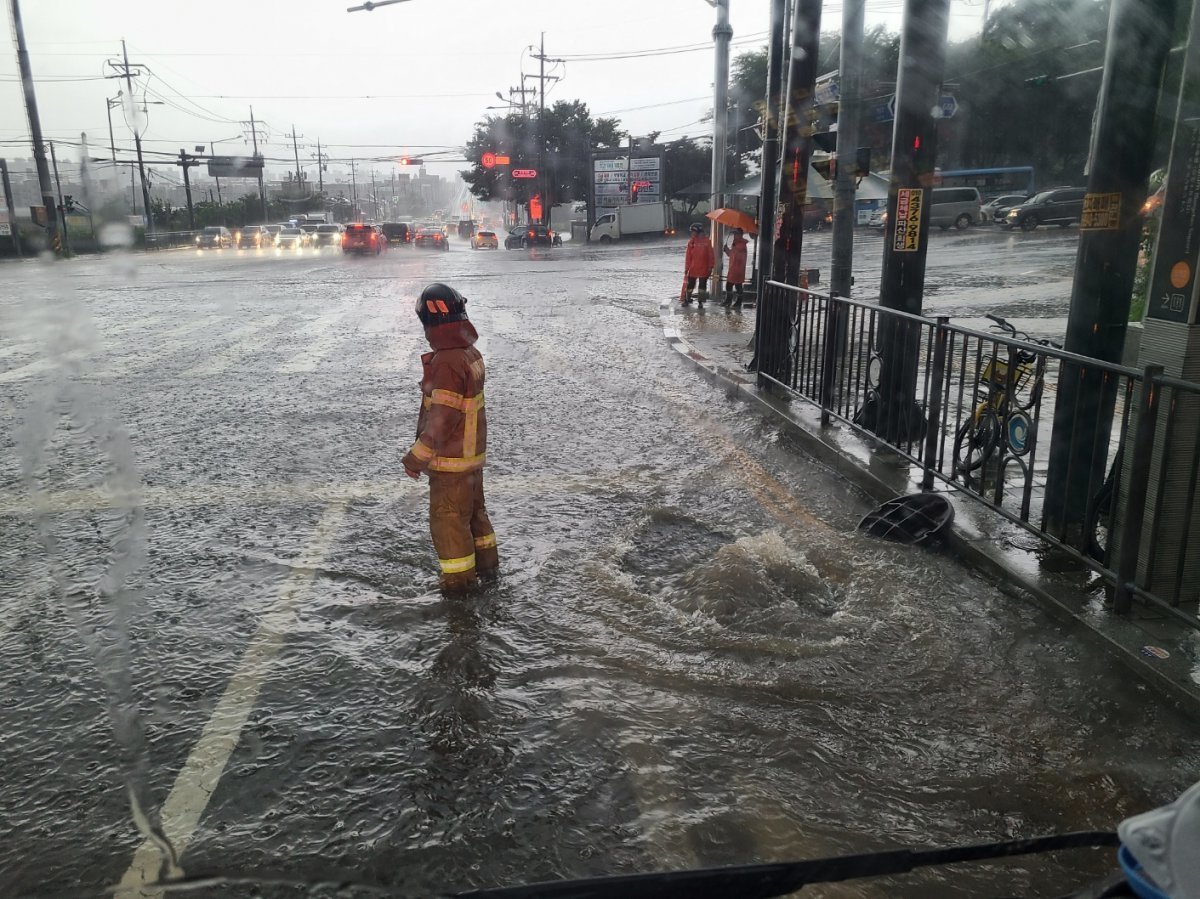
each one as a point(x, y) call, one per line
point(1122, 154)
point(898, 417)
point(35, 128)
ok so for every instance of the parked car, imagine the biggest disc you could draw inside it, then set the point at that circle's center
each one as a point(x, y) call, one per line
point(431, 238)
point(328, 236)
point(957, 206)
point(1059, 206)
point(523, 236)
point(996, 208)
point(291, 239)
point(361, 237)
point(485, 240)
point(214, 237)
point(878, 218)
point(253, 237)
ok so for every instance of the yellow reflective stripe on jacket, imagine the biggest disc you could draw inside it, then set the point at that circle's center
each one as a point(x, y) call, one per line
point(471, 430)
point(485, 542)
point(455, 401)
point(422, 451)
point(457, 566)
point(447, 463)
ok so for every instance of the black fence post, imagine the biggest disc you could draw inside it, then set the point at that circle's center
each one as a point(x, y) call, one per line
point(1139, 480)
point(934, 412)
point(829, 357)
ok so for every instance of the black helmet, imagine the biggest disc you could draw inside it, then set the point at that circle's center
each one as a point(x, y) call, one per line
point(441, 304)
point(697, 228)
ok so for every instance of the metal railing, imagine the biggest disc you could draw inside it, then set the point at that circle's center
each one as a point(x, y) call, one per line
point(166, 240)
point(973, 409)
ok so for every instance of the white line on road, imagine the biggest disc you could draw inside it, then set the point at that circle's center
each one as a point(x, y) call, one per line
point(165, 346)
point(244, 340)
point(198, 779)
point(323, 338)
point(27, 371)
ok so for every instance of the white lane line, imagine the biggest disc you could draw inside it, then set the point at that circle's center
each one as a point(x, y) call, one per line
point(245, 340)
point(27, 371)
point(164, 346)
point(19, 349)
point(198, 779)
point(323, 338)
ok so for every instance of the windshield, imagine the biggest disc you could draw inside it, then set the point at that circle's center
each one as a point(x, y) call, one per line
point(418, 561)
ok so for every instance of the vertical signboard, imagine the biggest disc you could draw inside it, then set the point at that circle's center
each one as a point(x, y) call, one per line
point(625, 180)
point(645, 175)
point(908, 220)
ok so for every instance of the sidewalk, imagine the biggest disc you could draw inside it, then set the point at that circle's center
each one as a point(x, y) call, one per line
point(718, 342)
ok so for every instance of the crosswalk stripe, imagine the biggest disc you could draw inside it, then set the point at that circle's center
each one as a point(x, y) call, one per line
point(245, 339)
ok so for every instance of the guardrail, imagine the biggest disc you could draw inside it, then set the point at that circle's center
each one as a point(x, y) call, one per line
point(166, 240)
point(979, 420)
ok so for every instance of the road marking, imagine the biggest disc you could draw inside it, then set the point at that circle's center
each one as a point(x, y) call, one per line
point(19, 349)
point(198, 779)
point(170, 345)
point(322, 340)
point(27, 371)
point(244, 340)
point(20, 504)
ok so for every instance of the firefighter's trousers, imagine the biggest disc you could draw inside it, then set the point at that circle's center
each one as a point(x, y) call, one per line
point(462, 531)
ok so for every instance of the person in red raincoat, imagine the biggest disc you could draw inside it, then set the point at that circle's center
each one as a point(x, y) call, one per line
point(698, 264)
point(451, 440)
point(736, 276)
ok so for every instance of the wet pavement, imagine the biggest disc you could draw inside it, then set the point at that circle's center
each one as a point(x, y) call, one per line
point(218, 591)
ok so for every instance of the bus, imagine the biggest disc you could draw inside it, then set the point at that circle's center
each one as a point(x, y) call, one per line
point(991, 182)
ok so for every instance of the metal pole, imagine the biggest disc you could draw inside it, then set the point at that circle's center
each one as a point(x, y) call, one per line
point(61, 210)
point(722, 33)
point(542, 131)
point(296, 150)
point(776, 310)
point(914, 153)
point(1123, 138)
point(112, 142)
point(8, 202)
point(321, 170)
point(849, 104)
point(1135, 512)
point(262, 190)
point(187, 189)
point(212, 148)
point(35, 127)
point(137, 142)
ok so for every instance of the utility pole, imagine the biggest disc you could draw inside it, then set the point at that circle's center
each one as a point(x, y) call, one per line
point(542, 180)
point(35, 128)
point(61, 210)
point(296, 150)
point(846, 180)
point(8, 203)
point(112, 142)
point(1110, 231)
point(262, 190)
point(771, 115)
point(374, 201)
point(906, 239)
point(186, 162)
point(212, 148)
point(125, 70)
point(320, 168)
point(722, 33)
point(354, 188)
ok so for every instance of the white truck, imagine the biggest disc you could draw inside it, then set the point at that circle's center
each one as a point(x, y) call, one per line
point(639, 220)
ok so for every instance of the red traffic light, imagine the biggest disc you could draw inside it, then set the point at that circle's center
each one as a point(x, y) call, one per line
point(488, 160)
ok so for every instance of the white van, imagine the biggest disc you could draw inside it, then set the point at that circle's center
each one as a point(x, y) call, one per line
point(957, 206)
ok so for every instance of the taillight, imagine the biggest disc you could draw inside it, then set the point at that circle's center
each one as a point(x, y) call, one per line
point(531, 234)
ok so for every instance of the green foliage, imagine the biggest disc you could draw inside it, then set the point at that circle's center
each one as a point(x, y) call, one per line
point(570, 136)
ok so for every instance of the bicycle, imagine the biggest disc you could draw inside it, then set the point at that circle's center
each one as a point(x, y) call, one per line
point(996, 419)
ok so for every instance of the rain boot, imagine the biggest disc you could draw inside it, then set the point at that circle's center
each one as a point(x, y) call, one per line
point(687, 300)
point(728, 298)
point(701, 297)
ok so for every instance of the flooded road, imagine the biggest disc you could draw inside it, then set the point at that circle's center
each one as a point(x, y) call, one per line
point(218, 591)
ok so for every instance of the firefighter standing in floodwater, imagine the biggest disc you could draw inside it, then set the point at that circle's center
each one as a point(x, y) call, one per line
point(698, 264)
point(452, 440)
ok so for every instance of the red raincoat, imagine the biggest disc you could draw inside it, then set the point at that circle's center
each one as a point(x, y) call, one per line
point(700, 259)
point(737, 261)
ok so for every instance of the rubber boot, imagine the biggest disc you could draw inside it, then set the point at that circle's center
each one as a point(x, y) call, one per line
point(703, 295)
point(728, 299)
point(687, 300)
point(460, 582)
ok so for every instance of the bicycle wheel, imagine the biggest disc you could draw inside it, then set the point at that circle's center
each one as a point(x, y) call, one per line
point(976, 440)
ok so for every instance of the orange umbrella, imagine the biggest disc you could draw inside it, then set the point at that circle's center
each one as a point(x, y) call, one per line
point(733, 218)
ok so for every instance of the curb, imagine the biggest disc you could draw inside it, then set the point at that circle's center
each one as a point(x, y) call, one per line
point(1120, 638)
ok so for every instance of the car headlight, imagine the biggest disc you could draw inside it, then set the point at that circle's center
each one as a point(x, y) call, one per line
point(1011, 214)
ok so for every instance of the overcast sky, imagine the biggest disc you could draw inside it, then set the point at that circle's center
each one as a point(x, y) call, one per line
point(411, 78)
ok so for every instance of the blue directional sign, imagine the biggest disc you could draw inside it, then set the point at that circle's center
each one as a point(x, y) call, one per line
point(886, 112)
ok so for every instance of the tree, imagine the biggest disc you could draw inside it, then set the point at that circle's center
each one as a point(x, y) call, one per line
point(571, 134)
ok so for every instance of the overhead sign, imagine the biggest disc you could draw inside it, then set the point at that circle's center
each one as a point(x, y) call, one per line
point(235, 166)
point(501, 159)
point(524, 173)
point(946, 108)
point(612, 165)
point(488, 160)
